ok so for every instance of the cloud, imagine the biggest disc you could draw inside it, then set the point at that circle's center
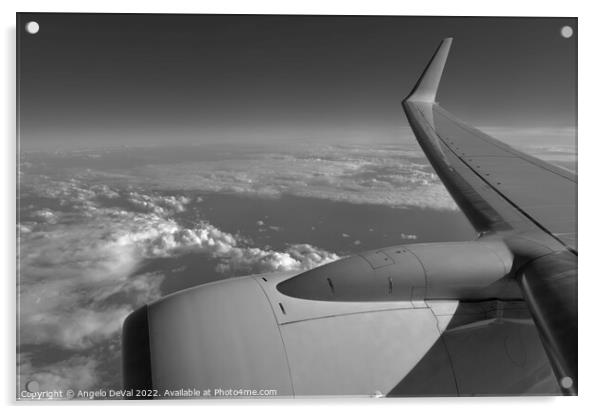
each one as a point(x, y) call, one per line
point(298, 257)
point(261, 224)
point(91, 256)
point(158, 204)
point(79, 329)
point(81, 262)
point(392, 176)
point(46, 216)
point(77, 373)
point(86, 236)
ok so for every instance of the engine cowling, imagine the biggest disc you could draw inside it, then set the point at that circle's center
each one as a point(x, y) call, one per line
point(463, 270)
point(386, 323)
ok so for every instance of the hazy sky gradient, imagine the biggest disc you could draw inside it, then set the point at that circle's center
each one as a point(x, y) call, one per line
point(103, 80)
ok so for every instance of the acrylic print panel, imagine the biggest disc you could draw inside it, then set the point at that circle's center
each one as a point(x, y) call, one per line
point(217, 206)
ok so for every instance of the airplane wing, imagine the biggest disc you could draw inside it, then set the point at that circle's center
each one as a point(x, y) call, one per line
point(502, 190)
point(496, 186)
point(453, 318)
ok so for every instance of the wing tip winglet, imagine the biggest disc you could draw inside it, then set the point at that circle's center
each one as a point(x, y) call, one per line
point(426, 88)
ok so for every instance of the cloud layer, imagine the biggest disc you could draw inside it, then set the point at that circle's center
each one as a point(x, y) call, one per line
point(80, 267)
point(396, 176)
point(367, 177)
point(89, 224)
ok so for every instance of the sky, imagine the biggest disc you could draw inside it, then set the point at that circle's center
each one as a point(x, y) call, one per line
point(91, 80)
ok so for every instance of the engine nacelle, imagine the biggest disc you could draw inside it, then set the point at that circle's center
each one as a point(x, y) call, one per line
point(458, 270)
point(369, 331)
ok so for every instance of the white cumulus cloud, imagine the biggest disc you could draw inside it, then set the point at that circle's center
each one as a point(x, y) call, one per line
point(80, 267)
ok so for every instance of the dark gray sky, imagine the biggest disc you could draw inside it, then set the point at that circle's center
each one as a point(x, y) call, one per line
point(89, 80)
